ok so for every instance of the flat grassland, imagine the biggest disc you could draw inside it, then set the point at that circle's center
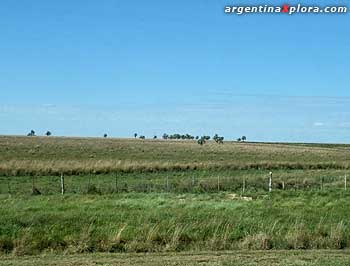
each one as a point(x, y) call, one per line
point(169, 197)
point(55, 155)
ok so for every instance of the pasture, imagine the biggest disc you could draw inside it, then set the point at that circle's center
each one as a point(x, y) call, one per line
point(131, 196)
point(56, 155)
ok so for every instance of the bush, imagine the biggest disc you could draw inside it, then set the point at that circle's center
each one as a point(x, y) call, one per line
point(260, 241)
point(298, 237)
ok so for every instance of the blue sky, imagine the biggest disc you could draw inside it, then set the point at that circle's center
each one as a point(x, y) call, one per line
point(83, 68)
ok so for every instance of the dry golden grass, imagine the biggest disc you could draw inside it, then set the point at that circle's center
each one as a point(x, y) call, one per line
point(53, 155)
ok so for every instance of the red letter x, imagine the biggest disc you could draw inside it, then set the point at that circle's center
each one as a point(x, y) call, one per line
point(285, 9)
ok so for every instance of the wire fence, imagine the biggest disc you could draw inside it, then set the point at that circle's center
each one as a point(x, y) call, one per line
point(176, 183)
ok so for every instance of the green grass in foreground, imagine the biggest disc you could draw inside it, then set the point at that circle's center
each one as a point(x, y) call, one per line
point(190, 181)
point(138, 222)
point(241, 258)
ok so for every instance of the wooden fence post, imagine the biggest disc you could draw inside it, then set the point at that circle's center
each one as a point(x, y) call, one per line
point(35, 191)
point(270, 182)
point(193, 181)
point(167, 183)
point(63, 188)
point(345, 177)
point(9, 186)
point(218, 183)
point(33, 183)
point(243, 186)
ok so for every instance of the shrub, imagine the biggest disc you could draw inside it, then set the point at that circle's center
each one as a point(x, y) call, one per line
point(260, 241)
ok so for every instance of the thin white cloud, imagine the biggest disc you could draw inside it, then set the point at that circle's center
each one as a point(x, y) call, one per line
point(318, 124)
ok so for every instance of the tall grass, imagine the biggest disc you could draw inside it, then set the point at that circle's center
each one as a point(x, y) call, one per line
point(170, 222)
point(58, 167)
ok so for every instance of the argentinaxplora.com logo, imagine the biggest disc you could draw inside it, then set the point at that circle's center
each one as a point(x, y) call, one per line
point(286, 9)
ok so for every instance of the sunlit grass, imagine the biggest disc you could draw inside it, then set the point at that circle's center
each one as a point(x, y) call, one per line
point(138, 222)
point(52, 156)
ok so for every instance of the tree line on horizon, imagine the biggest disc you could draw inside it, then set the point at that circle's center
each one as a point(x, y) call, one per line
point(32, 133)
point(200, 140)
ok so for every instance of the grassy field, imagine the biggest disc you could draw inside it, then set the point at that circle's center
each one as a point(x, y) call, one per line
point(52, 156)
point(181, 181)
point(152, 222)
point(120, 165)
point(131, 196)
point(246, 258)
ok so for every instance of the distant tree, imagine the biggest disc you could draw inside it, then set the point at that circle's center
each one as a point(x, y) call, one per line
point(175, 136)
point(142, 137)
point(31, 133)
point(135, 135)
point(201, 141)
point(48, 133)
point(189, 136)
point(105, 135)
point(206, 137)
point(218, 139)
point(197, 137)
point(154, 137)
point(239, 139)
point(178, 136)
point(244, 138)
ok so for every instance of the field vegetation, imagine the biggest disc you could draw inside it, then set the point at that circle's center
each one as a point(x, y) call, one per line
point(190, 181)
point(54, 155)
point(136, 196)
point(154, 222)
